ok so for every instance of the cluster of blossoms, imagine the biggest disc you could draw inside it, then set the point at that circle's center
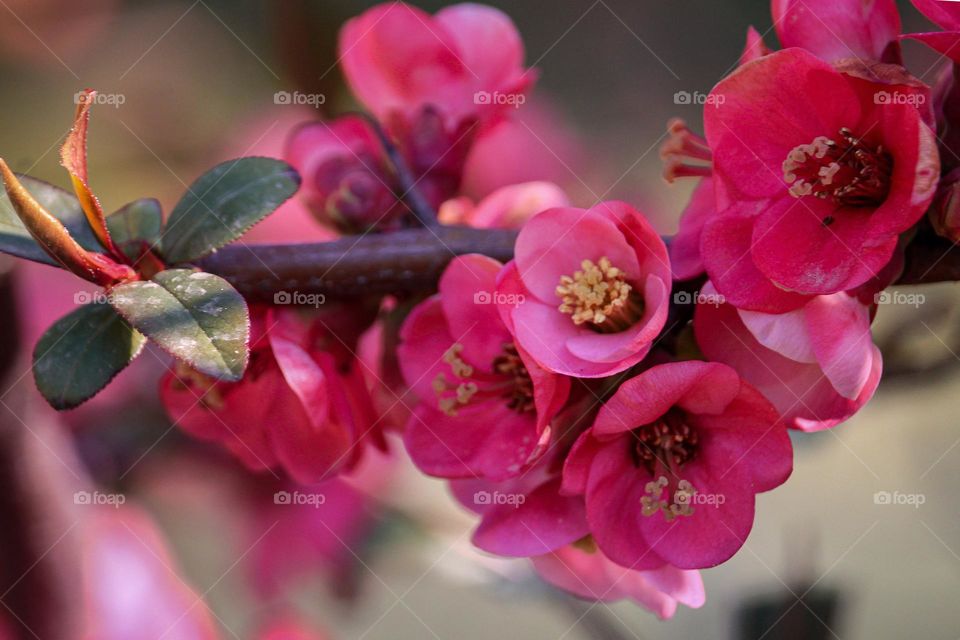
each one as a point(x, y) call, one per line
point(613, 436)
point(609, 406)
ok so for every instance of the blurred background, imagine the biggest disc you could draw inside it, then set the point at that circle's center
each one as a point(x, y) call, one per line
point(388, 556)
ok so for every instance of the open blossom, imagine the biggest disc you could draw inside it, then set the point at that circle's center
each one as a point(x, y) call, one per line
point(817, 364)
point(816, 177)
point(670, 467)
point(346, 181)
point(465, 62)
point(836, 29)
point(485, 405)
point(299, 407)
point(588, 290)
point(529, 516)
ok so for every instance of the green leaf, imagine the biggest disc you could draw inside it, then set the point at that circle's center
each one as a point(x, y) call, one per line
point(16, 240)
point(134, 224)
point(223, 203)
point(194, 316)
point(81, 353)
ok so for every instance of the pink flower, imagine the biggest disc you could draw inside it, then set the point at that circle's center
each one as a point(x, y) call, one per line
point(816, 179)
point(583, 570)
point(670, 467)
point(485, 405)
point(588, 291)
point(507, 207)
point(298, 407)
point(130, 590)
point(465, 62)
point(318, 530)
point(836, 29)
point(817, 365)
point(346, 181)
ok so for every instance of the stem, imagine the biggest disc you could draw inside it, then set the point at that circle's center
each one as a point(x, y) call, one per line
point(406, 261)
point(411, 196)
point(411, 261)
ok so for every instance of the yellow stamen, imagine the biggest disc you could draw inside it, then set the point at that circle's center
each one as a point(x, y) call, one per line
point(599, 295)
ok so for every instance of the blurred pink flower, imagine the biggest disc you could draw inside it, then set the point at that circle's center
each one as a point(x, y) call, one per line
point(132, 590)
point(836, 29)
point(817, 365)
point(670, 468)
point(508, 207)
point(465, 62)
point(582, 569)
point(346, 180)
point(588, 291)
point(298, 407)
point(485, 405)
point(536, 144)
point(317, 530)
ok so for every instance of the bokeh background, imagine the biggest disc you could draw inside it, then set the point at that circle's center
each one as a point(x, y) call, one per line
point(197, 81)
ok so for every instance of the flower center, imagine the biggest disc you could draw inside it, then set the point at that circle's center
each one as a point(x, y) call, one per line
point(663, 447)
point(509, 381)
point(848, 171)
point(600, 296)
point(666, 444)
point(685, 154)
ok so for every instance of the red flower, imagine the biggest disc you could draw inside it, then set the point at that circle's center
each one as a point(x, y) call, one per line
point(816, 176)
point(485, 405)
point(671, 465)
point(298, 407)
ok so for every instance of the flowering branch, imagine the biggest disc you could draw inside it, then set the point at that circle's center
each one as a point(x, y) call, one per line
point(412, 260)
